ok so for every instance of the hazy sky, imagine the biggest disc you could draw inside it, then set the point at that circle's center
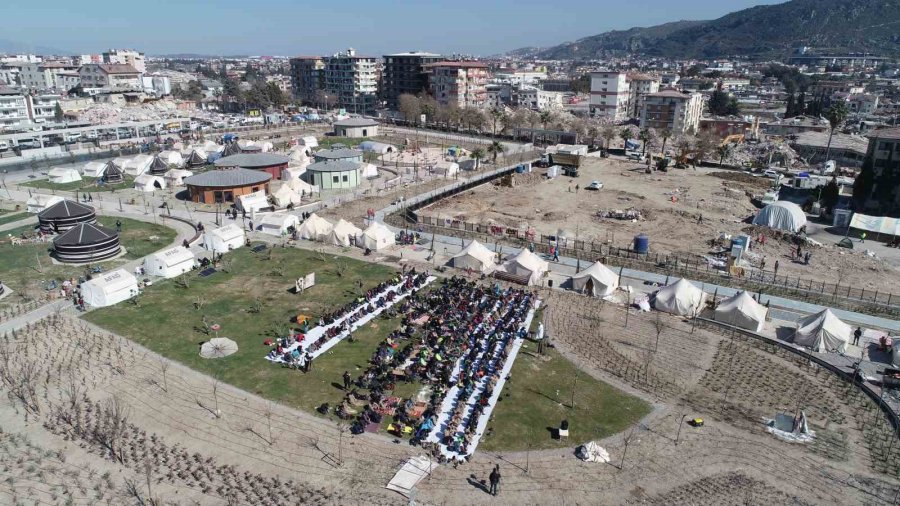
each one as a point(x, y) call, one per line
point(285, 27)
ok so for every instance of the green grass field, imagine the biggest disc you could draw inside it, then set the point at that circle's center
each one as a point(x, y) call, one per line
point(12, 216)
point(85, 185)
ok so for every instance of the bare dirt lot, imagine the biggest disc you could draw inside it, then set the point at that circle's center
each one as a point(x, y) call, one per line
point(670, 205)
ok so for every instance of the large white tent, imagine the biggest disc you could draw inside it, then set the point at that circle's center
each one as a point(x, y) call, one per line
point(597, 280)
point(252, 202)
point(224, 239)
point(278, 223)
point(93, 169)
point(741, 310)
point(283, 195)
point(368, 171)
point(171, 158)
point(37, 202)
point(475, 256)
point(342, 232)
point(61, 175)
point(781, 215)
point(376, 236)
point(308, 141)
point(823, 332)
point(109, 288)
point(292, 173)
point(681, 298)
point(169, 263)
point(315, 228)
point(526, 263)
point(136, 165)
point(446, 169)
point(175, 177)
point(149, 182)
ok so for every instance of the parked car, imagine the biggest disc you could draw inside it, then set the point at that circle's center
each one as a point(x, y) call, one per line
point(772, 174)
point(595, 185)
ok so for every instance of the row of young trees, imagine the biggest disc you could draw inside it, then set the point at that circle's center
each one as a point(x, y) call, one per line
point(261, 94)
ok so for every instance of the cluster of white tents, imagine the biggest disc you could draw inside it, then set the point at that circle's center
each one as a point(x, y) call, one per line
point(343, 233)
point(62, 175)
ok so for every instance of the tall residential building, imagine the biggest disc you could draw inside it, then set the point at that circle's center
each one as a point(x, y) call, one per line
point(307, 77)
point(42, 107)
point(126, 57)
point(405, 73)
point(640, 85)
point(48, 76)
point(13, 109)
point(353, 79)
point(609, 95)
point(672, 110)
point(884, 150)
point(108, 75)
point(462, 83)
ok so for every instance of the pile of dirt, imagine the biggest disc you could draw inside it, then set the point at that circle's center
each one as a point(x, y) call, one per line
point(743, 177)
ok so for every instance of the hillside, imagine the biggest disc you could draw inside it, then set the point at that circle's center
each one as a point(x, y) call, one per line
point(768, 30)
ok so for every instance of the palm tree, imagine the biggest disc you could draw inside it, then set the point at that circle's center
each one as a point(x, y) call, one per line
point(477, 155)
point(497, 116)
point(664, 134)
point(644, 135)
point(496, 148)
point(626, 134)
point(836, 115)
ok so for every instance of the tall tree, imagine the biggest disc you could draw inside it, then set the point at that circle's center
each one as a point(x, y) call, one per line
point(496, 116)
point(58, 113)
point(626, 134)
point(830, 195)
point(410, 107)
point(836, 116)
point(862, 185)
point(791, 109)
point(644, 135)
point(608, 133)
point(664, 135)
point(496, 149)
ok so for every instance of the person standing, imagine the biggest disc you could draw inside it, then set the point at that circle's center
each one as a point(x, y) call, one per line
point(307, 362)
point(776, 268)
point(539, 337)
point(347, 380)
point(856, 335)
point(862, 237)
point(118, 225)
point(495, 480)
point(251, 226)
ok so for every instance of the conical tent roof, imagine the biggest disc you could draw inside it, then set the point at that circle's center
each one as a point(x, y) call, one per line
point(377, 236)
point(681, 298)
point(603, 280)
point(526, 263)
point(65, 209)
point(85, 233)
point(196, 158)
point(342, 231)
point(112, 173)
point(231, 149)
point(475, 256)
point(315, 228)
point(741, 310)
point(158, 166)
point(823, 332)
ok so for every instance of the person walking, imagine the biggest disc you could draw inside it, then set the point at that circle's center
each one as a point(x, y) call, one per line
point(347, 380)
point(495, 480)
point(862, 237)
point(307, 362)
point(118, 225)
point(251, 226)
point(806, 258)
point(556, 254)
point(776, 268)
point(856, 335)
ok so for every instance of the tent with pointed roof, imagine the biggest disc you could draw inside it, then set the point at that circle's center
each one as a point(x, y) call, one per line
point(526, 263)
point(86, 242)
point(476, 257)
point(171, 157)
point(93, 169)
point(224, 239)
point(283, 195)
point(158, 166)
point(64, 215)
point(741, 310)
point(175, 177)
point(823, 332)
point(597, 280)
point(376, 236)
point(112, 173)
point(61, 175)
point(681, 298)
point(232, 148)
point(315, 228)
point(109, 288)
point(196, 158)
point(343, 233)
point(368, 171)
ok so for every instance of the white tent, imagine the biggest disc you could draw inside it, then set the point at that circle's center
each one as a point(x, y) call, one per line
point(148, 183)
point(278, 223)
point(597, 280)
point(781, 215)
point(246, 144)
point(823, 332)
point(368, 171)
point(283, 195)
point(252, 202)
point(121, 161)
point(37, 203)
point(375, 147)
point(681, 298)
point(342, 232)
point(171, 158)
point(315, 228)
point(303, 188)
point(376, 236)
point(93, 169)
point(308, 141)
point(136, 165)
point(292, 173)
point(224, 239)
point(109, 288)
point(61, 175)
point(210, 146)
point(528, 264)
point(175, 177)
point(741, 310)
point(169, 263)
point(446, 169)
point(475, 256)
point(265, 145)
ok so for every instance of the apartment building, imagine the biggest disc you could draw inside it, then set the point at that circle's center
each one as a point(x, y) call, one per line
point(639, 86)
point(13, 109)
point(109, 75)
point(353, 79)
point(405, 73)
point(42, 107)
point(126, 57)
point(462, 83)
point(672, 110)
point(48, 76)
point(307, 77)
point(884, 196)
point(609, 95)
point(539, 100)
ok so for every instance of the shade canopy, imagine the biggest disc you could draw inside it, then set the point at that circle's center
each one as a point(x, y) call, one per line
point(741, 310)
point(476, 257)
point(823, 332)
point(218, 347)
point(597, 280)
point(681, 298)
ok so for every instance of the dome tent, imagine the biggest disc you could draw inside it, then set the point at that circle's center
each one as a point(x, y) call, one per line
point(597, 280)
point(376, 237)
point(315, 228)
point(680, 298)
point(823, 332)
point(475, 256)
point(149, 183)
point(526, 263)
point(64, 215)
point(742, 311)
point(86, 242)
point(781, 215)
point(342, 232)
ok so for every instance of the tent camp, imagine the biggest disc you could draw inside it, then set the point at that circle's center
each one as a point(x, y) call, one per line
point(175, 177)
point(169, 263)
point(278, 223)
point(315, 228)
point(109, 288)
point(368, 171)
point(112, 173)
point(823, 332)
point(224, 239)
point(445, 169)
point(377, 236)
point(252, 202)
point(171, 158)
point(597, 280)
point(741, 310)
point(781, 215)
point(476, 257)
point(342, 232)
point(37, 203)
point(149, 182)
point(283, 195)
point(681, 298)
point(60, 175)
point(93, 169)
point(196, 158)
point(375, 147)
point(158, 166)
point(526, 263)
point(136, 165)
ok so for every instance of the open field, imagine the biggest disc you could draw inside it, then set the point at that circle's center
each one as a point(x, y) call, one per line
point(85, 185)
point(674, 227)
point(12, 216)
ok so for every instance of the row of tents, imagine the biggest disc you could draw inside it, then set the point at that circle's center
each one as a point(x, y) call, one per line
point(343, 233)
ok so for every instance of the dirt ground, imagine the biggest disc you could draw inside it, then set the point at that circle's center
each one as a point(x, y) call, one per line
point(670, 205)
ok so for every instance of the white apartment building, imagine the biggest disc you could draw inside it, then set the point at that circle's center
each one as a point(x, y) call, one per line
point(609, 95)
point(13, 109)
point(126, 57)
point(108, 75)
point(353, 79)
point(520, 77)
point(462, 83)
point(87, 59)
point(672, 110)
point(157, 85)
point(865, 104)
point(48, 76)
point(734, 84)
point(20, 58)
point(42, 107)
point(9, 76)
point(540, 100)
point(640, 85)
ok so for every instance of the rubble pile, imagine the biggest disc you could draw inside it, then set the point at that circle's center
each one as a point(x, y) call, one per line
point(107, 113)
point(758, 154)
